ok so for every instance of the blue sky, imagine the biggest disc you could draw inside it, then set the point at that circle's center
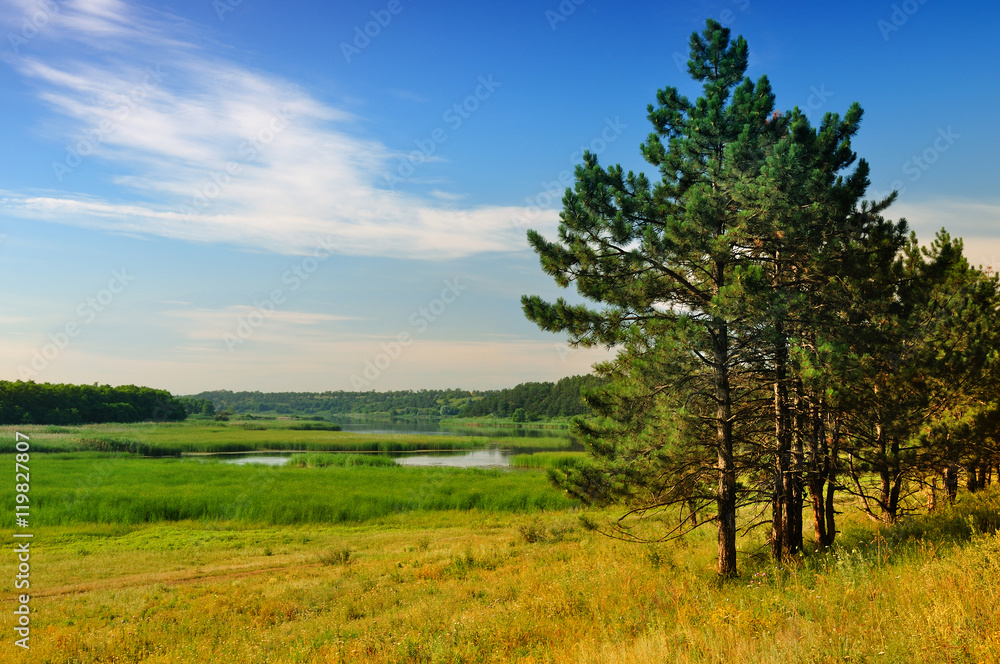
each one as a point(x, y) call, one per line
point(259, 195)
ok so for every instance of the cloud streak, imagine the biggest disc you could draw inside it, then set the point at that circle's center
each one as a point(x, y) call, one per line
point(195, 147)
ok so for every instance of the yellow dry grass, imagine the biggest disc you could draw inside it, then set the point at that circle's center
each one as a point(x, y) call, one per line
point(469, 587)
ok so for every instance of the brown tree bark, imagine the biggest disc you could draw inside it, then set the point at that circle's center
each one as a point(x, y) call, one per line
point(726, 497)
point(951, 482)
point(783, 440)
point(817, 473)
point(794, 499)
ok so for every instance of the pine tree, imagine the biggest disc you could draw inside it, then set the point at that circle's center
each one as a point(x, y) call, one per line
point(671, 262)
point(926, 400)
point(812, 231)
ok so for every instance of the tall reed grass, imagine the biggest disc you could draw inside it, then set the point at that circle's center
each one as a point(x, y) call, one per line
point(170, 438)
point(107, 488)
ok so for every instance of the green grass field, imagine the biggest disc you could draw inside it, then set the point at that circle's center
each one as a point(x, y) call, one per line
point(548, 460)
point(165, 439)
point(81, 488)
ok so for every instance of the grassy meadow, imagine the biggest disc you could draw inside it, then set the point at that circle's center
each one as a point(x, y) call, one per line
point(170, 439)
point(548, 460)
point(341, 558)
point(80, 488)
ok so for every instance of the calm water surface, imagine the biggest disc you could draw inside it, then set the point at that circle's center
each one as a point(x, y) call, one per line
point(495, 457)
point(491, 458)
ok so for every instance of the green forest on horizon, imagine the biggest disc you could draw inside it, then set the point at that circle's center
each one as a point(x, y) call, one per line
point(61, 404)
point(537, 400)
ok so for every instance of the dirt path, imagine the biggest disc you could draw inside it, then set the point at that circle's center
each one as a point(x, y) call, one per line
point(212, 575)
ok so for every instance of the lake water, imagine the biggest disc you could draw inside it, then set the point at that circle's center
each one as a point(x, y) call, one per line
point(494, 457)
point(491, 458)
point(269, 459)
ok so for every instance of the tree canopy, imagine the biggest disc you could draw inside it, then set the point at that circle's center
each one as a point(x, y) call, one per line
point(772, 326)
point(60, 403)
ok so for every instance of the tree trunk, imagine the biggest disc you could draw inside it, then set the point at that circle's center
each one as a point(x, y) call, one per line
point(726, 499)
point(777, 510)
point(793, 481)
point(891, 501)
point(951, 482)
point(831, 483)
point(893, 510)
point(782, 436)
point(816, 473)
point(972, 481)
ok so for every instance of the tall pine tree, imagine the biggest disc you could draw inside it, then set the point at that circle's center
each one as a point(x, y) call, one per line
point(670, 262)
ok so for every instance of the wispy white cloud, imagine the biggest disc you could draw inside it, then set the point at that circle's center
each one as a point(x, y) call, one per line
point(276, 325)
point(197, 147)
point(15, 320)
point(446, 195)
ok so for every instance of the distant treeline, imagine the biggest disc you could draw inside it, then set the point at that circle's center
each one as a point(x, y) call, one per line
point(536, 400)
point(561, 399)
point(405, 402)
point(57, 403)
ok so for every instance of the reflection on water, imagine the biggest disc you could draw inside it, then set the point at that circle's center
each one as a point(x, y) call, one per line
point(491, 458)
point(266, 460)
point(476, 459)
